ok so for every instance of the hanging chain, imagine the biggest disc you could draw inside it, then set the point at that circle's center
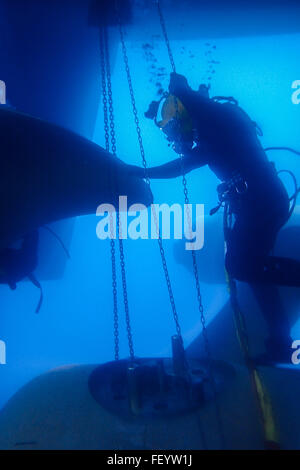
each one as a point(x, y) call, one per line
point(112, 241)
point(185, 191)
point(202, 316)
point(104, 93)
point(195, 270)
point(125, 294)
point(194, 259)
point(165, 33)
point(142, 151)
point(121, 247)
point(109, 92)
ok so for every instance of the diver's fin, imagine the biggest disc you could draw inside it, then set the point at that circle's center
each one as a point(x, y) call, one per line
point(36, 283)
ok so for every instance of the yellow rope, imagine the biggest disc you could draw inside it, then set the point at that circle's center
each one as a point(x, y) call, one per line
point(263, 399)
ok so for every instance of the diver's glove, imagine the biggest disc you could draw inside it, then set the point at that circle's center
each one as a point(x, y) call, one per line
point(178, 83)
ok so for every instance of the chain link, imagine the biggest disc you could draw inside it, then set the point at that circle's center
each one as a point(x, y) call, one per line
point(195, 267)
point(114, 286)
point(194, 259)
point(121, 247)
point(144, 162)
point(206, 344)
point(125, 294)
point(104, 91)
point(165, 33)
point(201, 311)
point(109, 92)
point(112, 241)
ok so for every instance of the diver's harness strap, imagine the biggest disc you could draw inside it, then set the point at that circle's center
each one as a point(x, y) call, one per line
point(230, 190)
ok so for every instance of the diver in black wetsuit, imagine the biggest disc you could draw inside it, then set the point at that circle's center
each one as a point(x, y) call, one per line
point(222, 136)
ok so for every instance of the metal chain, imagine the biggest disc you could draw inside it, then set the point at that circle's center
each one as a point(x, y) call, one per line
point(125, 294)
point(104, 93)
point(165, 33)
point(195, 267)
point(121, 246)
point(112, 241)
point(167, 276)
point(202, 319)
point(109, 92)
point(194, 259)
point(142, 151)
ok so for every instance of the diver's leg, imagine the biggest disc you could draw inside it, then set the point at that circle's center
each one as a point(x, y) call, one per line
point(248, 246)
point(281, 271)
point(250, 243)
point(268, 270)
point(242, 266)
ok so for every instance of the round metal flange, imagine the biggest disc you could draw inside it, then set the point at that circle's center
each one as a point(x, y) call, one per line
point(149, 388)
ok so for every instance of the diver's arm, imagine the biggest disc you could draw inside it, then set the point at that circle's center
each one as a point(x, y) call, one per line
point(173, 169)
point(167, 170)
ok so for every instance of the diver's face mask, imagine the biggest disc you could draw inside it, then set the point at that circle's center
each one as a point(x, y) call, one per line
point(179, 140)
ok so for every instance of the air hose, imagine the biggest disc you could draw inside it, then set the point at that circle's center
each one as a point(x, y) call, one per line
point(289, 149)
point(293, 198)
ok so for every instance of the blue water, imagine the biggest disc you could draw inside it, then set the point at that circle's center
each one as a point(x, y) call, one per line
point(75, 323)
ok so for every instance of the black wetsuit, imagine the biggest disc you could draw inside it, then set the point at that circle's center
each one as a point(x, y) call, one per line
point(228, 144)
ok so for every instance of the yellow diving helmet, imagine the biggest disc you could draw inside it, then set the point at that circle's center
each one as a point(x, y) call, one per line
point(171, 112)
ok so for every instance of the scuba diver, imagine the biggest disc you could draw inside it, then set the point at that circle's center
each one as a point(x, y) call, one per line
point(19, 263)
point(218, 133)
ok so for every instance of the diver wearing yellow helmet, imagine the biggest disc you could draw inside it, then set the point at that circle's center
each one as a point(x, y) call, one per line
point(218, 133)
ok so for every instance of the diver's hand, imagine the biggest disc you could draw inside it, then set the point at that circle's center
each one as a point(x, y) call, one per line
point(177, 83)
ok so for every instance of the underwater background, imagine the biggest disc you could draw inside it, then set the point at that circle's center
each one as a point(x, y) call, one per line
point(75, 324)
